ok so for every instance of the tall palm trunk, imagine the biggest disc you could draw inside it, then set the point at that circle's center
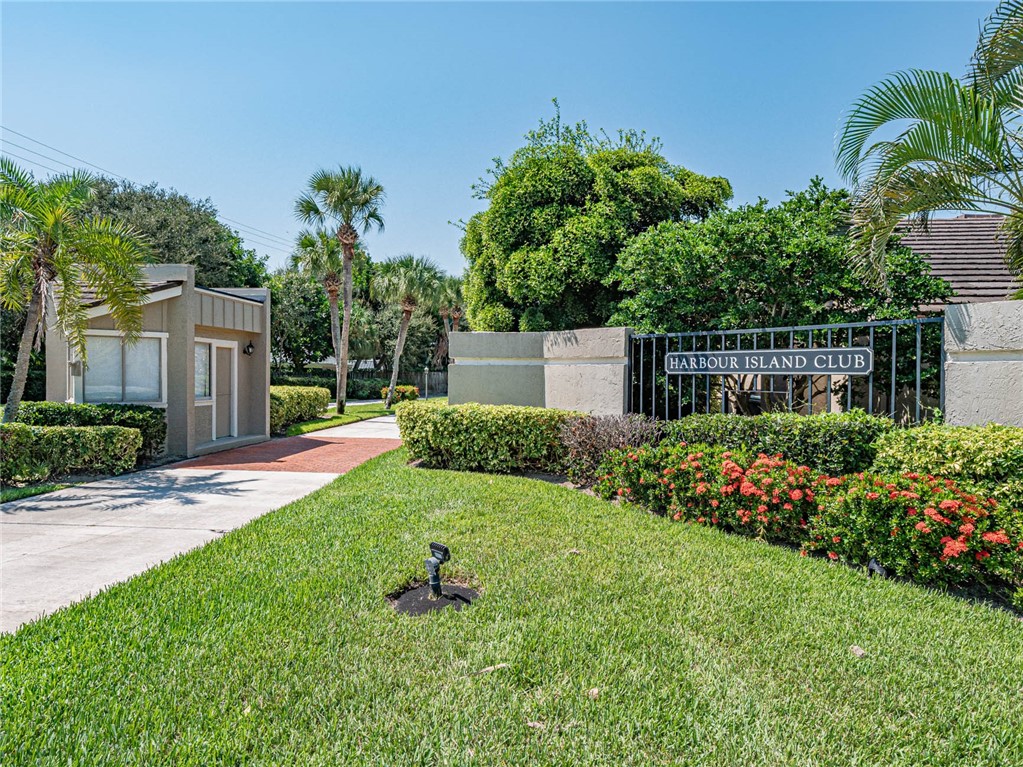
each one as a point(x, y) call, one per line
point(24, 356)
point(399, 346)
point(335, 337)
point(346, 329)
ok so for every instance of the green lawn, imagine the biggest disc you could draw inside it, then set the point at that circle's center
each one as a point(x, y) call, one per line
point(276, 645)
point(17, 493)
point(330, 419)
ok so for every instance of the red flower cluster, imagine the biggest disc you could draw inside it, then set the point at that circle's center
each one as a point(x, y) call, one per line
point(953, 538)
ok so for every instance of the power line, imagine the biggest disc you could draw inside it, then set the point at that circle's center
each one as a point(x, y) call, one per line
point(258, 236)
point(254, 229)
point(59, 151)
point(32, 162)
point(38, 154)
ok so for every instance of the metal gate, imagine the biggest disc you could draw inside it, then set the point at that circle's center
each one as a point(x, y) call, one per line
point(905, 380)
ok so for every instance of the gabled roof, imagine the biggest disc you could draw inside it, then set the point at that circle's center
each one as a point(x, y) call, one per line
point(969, 252)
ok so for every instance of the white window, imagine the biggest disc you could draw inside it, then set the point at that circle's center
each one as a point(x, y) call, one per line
point(202, 371)
point(117, 372)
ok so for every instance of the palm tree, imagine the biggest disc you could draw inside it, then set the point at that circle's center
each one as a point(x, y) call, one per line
point(409, 281)
point(50, 249)
point(449, 307)
point(961, 151)
point(449, 303)
point(319, 253)
point(351, 201)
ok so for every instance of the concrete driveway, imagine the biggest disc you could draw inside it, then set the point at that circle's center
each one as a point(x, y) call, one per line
point(61, 547)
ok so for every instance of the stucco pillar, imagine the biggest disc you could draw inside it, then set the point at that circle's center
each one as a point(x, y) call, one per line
point(984, 363)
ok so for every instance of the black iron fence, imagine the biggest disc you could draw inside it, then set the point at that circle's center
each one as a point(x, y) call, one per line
point(892, 367)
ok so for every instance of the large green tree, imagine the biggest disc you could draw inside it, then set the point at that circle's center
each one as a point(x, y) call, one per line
point(50, 250)
point(298, 321)
point(560, 212)
point(762, 266)
point(349, 202)
point(924, 141)
point(181, 229)
point(409, 282)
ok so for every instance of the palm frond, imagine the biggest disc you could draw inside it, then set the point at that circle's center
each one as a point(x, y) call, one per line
point(999, 52)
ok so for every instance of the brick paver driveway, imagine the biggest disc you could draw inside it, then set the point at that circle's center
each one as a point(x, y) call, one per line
point(61, 547)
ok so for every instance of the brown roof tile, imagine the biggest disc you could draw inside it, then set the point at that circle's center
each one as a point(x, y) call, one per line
point(969, 252)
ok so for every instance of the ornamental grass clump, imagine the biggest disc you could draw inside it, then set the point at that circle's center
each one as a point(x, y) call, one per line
point(917, 526)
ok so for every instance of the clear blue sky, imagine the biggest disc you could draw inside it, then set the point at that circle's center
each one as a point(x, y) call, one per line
point(241, 102)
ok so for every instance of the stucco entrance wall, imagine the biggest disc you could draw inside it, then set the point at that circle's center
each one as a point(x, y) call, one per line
point(984, 363)
point(584, 370)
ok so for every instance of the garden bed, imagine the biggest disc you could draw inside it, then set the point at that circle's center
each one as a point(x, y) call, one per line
point(607, 637)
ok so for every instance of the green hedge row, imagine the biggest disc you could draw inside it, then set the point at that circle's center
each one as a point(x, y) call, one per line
point(150, 421)
point(832, 443)
point(292, 404)
point(357, 388)
point(36, 453)
point(497, 438)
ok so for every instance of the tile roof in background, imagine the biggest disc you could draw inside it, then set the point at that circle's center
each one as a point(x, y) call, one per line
point(968, 251)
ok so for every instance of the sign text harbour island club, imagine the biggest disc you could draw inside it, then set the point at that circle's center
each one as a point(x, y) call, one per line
point(851, 361)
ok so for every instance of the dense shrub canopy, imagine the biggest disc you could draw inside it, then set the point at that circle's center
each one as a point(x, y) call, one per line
point(150, 421)
point(832, 443)
point(761, 266)
point(560, 211)
point(37, 453)
point(291, 404)
point(498, 438)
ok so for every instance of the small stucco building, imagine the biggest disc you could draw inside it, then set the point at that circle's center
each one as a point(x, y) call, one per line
point(203, 356)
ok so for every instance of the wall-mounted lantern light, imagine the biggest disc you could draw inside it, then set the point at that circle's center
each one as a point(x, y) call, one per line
point(249, 349)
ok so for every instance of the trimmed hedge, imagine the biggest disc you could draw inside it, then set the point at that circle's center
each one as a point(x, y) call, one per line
point(357, 388)
point(401, 394)
point(36, 453)
point(831, 443)
point(150, 421)
point(472, 437)
point(990, 455)
point(291, 404)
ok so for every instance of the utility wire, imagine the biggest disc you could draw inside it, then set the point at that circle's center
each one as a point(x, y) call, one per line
point(258, 236)
point(32, 162)
point(59, 151)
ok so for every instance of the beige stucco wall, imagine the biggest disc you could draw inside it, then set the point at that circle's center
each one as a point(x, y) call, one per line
point(196, 312)
point(583, 370)
point(984, 363)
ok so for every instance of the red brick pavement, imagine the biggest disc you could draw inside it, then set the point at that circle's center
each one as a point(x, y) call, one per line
point(302, 454)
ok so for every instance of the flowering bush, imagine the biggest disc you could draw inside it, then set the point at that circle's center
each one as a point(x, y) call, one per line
point(771, 498)
point(662, 479)
point(401, 393)
point(921, 527)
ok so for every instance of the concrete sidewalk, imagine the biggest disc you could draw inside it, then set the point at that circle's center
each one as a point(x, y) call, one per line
point(61, 547)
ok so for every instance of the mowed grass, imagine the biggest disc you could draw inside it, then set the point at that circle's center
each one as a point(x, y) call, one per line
point(628, 640)
point(17, 493)
point(330, 419)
